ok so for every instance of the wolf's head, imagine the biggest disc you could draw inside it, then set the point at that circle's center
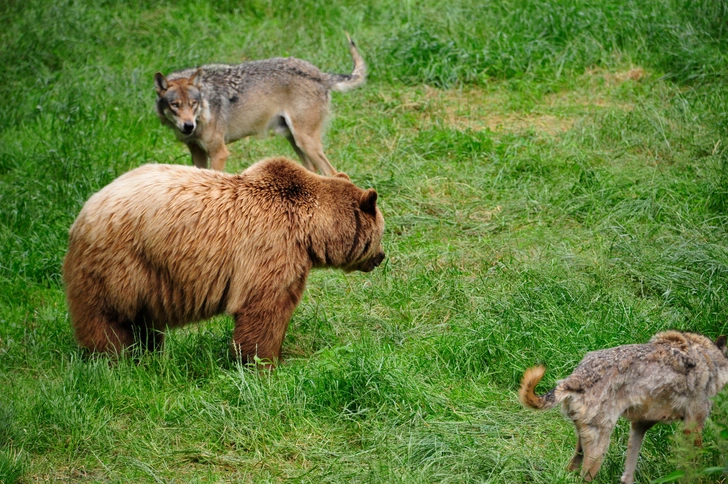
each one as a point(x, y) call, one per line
point(179, 100)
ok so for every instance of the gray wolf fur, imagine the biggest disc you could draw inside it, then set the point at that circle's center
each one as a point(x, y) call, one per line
point(216, 104)
point(673, 377)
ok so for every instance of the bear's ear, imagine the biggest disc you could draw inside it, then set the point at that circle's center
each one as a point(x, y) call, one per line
point(343, 175)
point(160, 83)
point(196, 78)
point(721, 343)
point(368, 201)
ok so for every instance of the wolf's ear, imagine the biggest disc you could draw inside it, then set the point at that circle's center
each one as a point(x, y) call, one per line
point(721, 343)
point(368, 201)
point(160, 83)
point(196, 78)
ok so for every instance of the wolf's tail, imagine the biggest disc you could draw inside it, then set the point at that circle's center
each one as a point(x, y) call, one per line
point(528, 396)
point(345, 82)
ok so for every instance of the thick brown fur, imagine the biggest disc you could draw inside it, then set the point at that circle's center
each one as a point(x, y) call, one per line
point(167, 245)
point(673, 377)
point(216, 104)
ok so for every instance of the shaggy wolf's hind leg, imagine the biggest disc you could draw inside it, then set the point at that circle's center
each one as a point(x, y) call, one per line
point(304, 159)
point(595, 442)
point(578, 458)
point(311, 145)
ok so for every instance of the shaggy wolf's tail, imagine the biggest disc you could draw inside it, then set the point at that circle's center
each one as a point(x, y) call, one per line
point(345, 82)
point(528, 396)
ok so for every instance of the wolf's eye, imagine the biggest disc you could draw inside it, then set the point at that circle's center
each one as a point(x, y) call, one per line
point(193, 103)
point(175, 104)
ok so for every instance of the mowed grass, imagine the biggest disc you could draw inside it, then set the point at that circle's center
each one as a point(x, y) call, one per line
point(554, 178)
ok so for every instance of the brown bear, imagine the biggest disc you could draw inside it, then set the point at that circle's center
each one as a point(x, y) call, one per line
point(167, 245)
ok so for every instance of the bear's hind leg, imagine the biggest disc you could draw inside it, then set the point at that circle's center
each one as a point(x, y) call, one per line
point(148, 337)
point(104, 335)
point(152, 339)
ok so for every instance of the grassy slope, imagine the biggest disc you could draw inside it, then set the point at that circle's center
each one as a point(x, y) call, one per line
point(539, 202)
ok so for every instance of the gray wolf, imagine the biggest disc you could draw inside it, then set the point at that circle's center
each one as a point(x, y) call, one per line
point(167, 245)
point(216, 104)
point(673, 377)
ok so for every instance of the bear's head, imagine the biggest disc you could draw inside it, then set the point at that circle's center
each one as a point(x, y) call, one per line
point(366, 251)
point(338, 223)
point(348, 227)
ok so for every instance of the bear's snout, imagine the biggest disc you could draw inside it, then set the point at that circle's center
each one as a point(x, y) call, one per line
point(369, 265)
point(378, 259)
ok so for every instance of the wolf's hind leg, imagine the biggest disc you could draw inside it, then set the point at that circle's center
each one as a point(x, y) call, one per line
point(304, 159)
point(595, 442)
point(575, 462)
point(311, 146)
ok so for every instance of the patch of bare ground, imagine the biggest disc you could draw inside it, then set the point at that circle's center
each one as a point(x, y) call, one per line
point(597, 89)
point(478, 108)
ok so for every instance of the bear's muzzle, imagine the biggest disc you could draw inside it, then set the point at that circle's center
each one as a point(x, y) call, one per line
point(370, 264)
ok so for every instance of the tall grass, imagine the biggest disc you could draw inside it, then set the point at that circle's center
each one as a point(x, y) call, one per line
point(553, 177)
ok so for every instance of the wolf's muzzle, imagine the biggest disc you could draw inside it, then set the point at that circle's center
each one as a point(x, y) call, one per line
point(188, 128)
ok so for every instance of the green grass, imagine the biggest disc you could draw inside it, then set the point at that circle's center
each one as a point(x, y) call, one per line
point(554, 177)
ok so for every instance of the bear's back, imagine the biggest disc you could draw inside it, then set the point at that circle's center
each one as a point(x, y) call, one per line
point(178, 214)
point(186, 240)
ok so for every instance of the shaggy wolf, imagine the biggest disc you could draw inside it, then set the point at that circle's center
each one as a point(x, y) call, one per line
point(670, 378)
point(217, 104)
